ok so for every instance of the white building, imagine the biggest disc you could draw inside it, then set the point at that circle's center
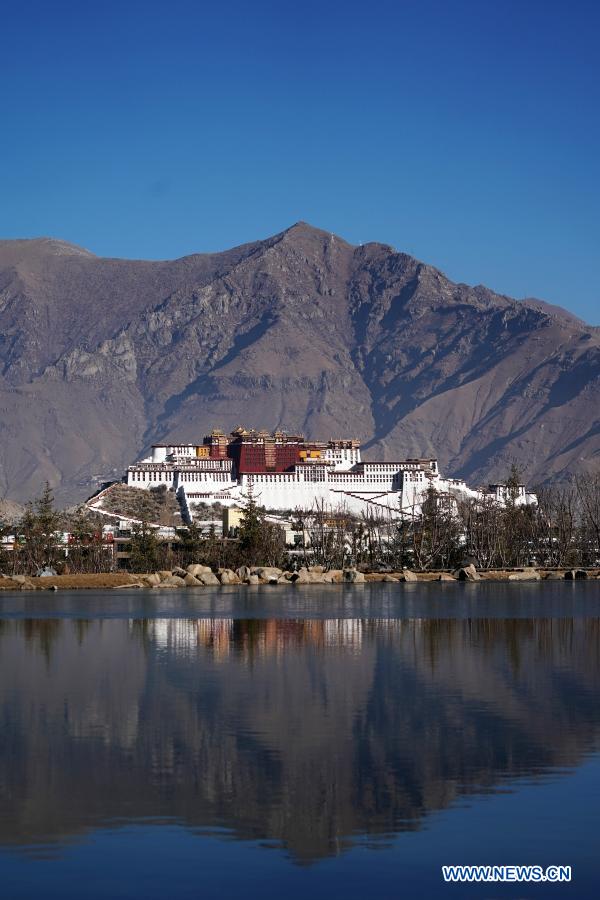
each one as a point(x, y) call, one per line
point(287, 473)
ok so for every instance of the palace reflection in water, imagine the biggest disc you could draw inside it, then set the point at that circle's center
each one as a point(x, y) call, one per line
point(303, 732)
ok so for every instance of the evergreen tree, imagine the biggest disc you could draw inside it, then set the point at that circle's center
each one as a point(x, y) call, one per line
point(251, 532)
point(192, 544)
point(40, 543)
point(513, 483)
point(144, 549)
point(260, 542)
point(400, 546)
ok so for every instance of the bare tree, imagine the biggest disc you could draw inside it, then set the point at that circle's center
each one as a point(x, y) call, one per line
point(557, 525)
point(436, 531)
point(588, 492)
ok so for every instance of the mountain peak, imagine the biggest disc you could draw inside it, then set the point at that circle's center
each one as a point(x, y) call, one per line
point(302, 227)
point(300, 231)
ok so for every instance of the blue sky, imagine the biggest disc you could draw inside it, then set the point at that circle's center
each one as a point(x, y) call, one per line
point(465, 133)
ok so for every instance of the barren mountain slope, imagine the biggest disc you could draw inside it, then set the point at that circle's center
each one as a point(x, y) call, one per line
point(100, 357)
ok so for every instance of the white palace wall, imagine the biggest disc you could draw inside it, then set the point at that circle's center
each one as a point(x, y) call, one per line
point(339, 480)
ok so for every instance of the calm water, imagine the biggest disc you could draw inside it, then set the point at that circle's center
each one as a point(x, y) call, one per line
point(283, 743)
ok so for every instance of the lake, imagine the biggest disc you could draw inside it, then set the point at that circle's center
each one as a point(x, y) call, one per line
point(323, 741)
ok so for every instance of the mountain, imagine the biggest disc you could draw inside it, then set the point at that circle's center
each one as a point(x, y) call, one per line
point(99, 358)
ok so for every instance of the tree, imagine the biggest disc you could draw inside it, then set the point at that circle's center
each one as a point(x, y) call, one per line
point(88, 551)
point(588, 492)
point(39, 546)
point(259, 541)
point(6, 559)
point(192, 544)
point(556, 522)
point(144, 549)
point(436, 535)
point(400, 544)
point(481, 523)
point(513, 484)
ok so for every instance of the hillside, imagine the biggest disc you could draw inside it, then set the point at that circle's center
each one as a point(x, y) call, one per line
point(158, 506)
point(101, 357)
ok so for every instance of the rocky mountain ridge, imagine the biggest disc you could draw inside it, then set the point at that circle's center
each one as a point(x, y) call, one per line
point(101, 357)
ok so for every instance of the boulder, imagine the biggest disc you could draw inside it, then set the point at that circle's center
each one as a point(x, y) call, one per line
point(144, 580)
point(228, 576)
point(306, 576)
point(266, 573)
point(318, 569)
point(164, 574)
point(317, 577)
point(153, 579)
point(196, 569)
point(266, 576)
point(353, 576)
point(302, 576)
point(243, 572)
point(173, 581)
point(208, 578)
point(445, 576)
point(27, 586)
point(191, 580)
point(252, 579)
point(528, 574)
point(333, 576)
point(390, 578)
point(553, 576)
point(179, 571)
point(407, 575)
point(468, 573)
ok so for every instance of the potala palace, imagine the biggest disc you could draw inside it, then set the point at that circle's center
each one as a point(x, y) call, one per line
point(286, 472)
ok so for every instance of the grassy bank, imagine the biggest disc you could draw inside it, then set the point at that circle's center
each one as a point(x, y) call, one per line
point(68, 582)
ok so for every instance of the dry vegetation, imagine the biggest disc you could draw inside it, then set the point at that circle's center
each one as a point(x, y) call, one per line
point(157, 505)
point(70, 582)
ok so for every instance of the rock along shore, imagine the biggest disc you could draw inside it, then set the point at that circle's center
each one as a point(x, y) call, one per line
point(199, 576)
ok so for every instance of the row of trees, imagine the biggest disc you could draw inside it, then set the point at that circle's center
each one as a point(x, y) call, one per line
point(39, 543)
point(561, 530)
point(259, 542)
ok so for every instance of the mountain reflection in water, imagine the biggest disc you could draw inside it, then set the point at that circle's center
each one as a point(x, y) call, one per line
point(307, 733)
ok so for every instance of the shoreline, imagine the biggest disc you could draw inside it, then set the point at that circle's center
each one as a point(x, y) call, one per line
point(272, 576)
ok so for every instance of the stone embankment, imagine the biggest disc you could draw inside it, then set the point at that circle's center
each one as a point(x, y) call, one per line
point(203, 576)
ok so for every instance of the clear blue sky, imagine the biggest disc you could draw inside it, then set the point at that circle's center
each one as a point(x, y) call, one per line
point(465, 133)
